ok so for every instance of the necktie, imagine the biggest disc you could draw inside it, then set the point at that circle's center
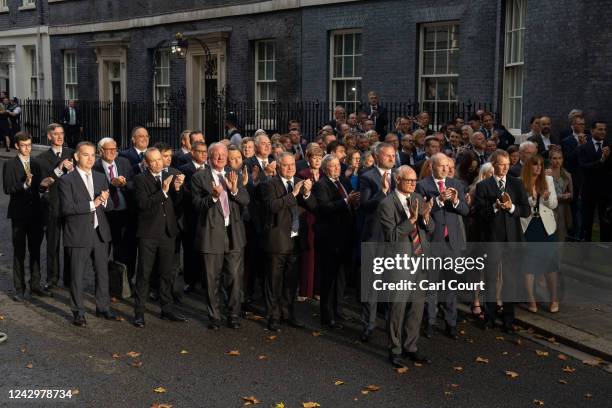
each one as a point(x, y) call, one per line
point(502, 186)
point(141, 155)
point(113, 190)
point(72, 117)
point(59, 155)
point(441, 187)
point(223, 197)
point(295, 219)
point(340, 189)
point(26, 167)
point(90, 190)
point(597, 147)
point(415, 239)
point(264, 163)
point(159, 181)
point(387, 176)
point(481, 159)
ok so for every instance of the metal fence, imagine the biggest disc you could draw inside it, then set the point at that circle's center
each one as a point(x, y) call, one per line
point(166, 121)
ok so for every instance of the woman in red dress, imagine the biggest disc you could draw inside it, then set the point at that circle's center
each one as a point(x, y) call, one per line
point(309, 279)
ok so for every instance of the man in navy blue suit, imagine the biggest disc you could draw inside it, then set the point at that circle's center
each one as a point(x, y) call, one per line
point(135, 154)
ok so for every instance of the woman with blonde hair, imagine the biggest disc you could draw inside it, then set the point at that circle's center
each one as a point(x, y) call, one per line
point(565, 192)
point(540, 227)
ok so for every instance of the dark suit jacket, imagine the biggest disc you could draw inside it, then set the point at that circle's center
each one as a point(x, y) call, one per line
point(395, 224)
point(334, 217)
point(177, 157)
point(132, 155)
point(515, 171)
point(24, 202)
point(65, 116)
point(501, 226)
point(506, 139)
point(183, 159)
point(256, 208)
point(569, 146)
point(79, 229)
point(278, 218)
point(123, 168)
point(371, 195)
point(48, 162)
point(446, 215)
point(210, 230)
point(156, 212)
point(381, 119)
point(537, 139)
point(595, 173)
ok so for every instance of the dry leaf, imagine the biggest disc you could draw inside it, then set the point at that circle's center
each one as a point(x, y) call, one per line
point(500, 338)
point(539, 403)
point(505, 353)
point(482, 360)
point(184, 352)
point(588, 395)
point(551, 340)
point(279, 405)
point(1, 317)
point(310, 404)
point(23, 349)
point(372, 388)
point(29, 365)
point(462, 332)
point(542, 353)
point(518, 342)
point(592, 363)
point(402, 370)
point(458, 369)
point(133, 354)
point(568, 369)
point(254, 317)
point(262, 357)
point(454, 385)
point(160, 390)
point(158, 405)
point(512, 374)
point(562, 382)
point(562, 357)
point(136, 364)
point(316, 333)
point(271, 338)
point(114, 300)
point(418, 365)
point(120, 318)
point(365, 392)
point(116, 356)
point(233, 353)
point(470, 340)
point(338, 382)
point(447, 393)
point(76, 391)
point(250, 400)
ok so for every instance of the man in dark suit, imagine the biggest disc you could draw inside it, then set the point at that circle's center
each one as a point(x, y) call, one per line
point(135, 154)
point(198, 157)
point(448, 237)
point(377, 113)
point(21, 176)
point(526, 150)
point(499, 203)
point(183, 150)
point(157, 195)
point(118, 172)
point(336, 205)
point(374, 186)
point(297, 147)
point(405, 218)
point(73, 124)
point(489, 129)
point(432, 146)
point(218, 197)
point(83, 195)
point(54, 163)
point(546, 138)
point(596, 166)
point(194, 136)
point(284, 238)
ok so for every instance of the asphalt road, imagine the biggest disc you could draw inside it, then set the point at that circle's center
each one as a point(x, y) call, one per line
point(44, 351)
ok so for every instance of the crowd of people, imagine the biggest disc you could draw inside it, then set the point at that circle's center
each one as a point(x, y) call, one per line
point(272, 219)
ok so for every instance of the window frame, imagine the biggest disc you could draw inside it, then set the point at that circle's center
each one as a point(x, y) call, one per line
point(261, 121)
point(435, 121)
point(514, 36)
point(333, 100)
point(74, 85)
point(160, 107)
point(32, 52)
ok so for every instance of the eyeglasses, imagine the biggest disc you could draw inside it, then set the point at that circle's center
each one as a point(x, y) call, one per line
point(410, 180)
point(113, 149)
point(201, 151)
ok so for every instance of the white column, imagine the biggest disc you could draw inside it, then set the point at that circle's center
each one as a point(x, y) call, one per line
point(11, 73)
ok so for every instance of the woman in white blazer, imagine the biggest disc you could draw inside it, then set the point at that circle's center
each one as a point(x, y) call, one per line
point(540, 227)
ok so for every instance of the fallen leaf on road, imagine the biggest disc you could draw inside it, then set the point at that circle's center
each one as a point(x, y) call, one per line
point(76, 391)
point(160, 390)
point(158, 405)
point(500, 338)
point(458, 369)
point(588, 395)
point(518, 342)
point(23, 349)
point(568, 369)
point(562, 382)
point(116, 356)
point(539, 403)
point(310, 404)
point(448, 393)
point(505, 353)
point(462, 332)
point(418, 365)
point(470, 340)
point(271, 338)
point(133, 354)
point(454, 385)
point(401, 370)
point(254, 317)
point(372, 388)
point(482, 360)
point(279, 405)
point(29, 365)
point(512, 374)
point(136, 364)
point(233, 353)
point(120, 318)
point(338, 382)
point(250, 400)
point(542, 353)
point(1, 317)
point(593, 362)
point(114, 300)
point(262, 357)
point(316, 333)
point(184, 352)
point(551, 340)
point(562, 357)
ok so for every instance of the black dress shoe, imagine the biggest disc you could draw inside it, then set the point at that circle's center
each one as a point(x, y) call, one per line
point(214, 324)
point(508, 330)
point(173, 317)
point(396, 361)
point(365, 335)
point(333, 325)
point(233, 322)
point(451, 331)
point(108, 314)
point(418, 358)
point(139, 320)
point(295, 323)
point(18, 297)
point(51, 286)
point(79, 320)
point(428, 331)
point(273, 325)
point(41, 293)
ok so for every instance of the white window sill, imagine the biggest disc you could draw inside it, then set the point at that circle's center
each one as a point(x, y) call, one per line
point(27, 7)
point(4, 10)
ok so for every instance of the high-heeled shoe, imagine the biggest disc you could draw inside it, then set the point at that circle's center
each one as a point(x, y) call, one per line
point(478, 315)
point(532, 307)
point(554, 307)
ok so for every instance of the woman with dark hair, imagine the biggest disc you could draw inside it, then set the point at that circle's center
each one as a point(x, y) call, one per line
point(540, 227)
point(468, 166)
